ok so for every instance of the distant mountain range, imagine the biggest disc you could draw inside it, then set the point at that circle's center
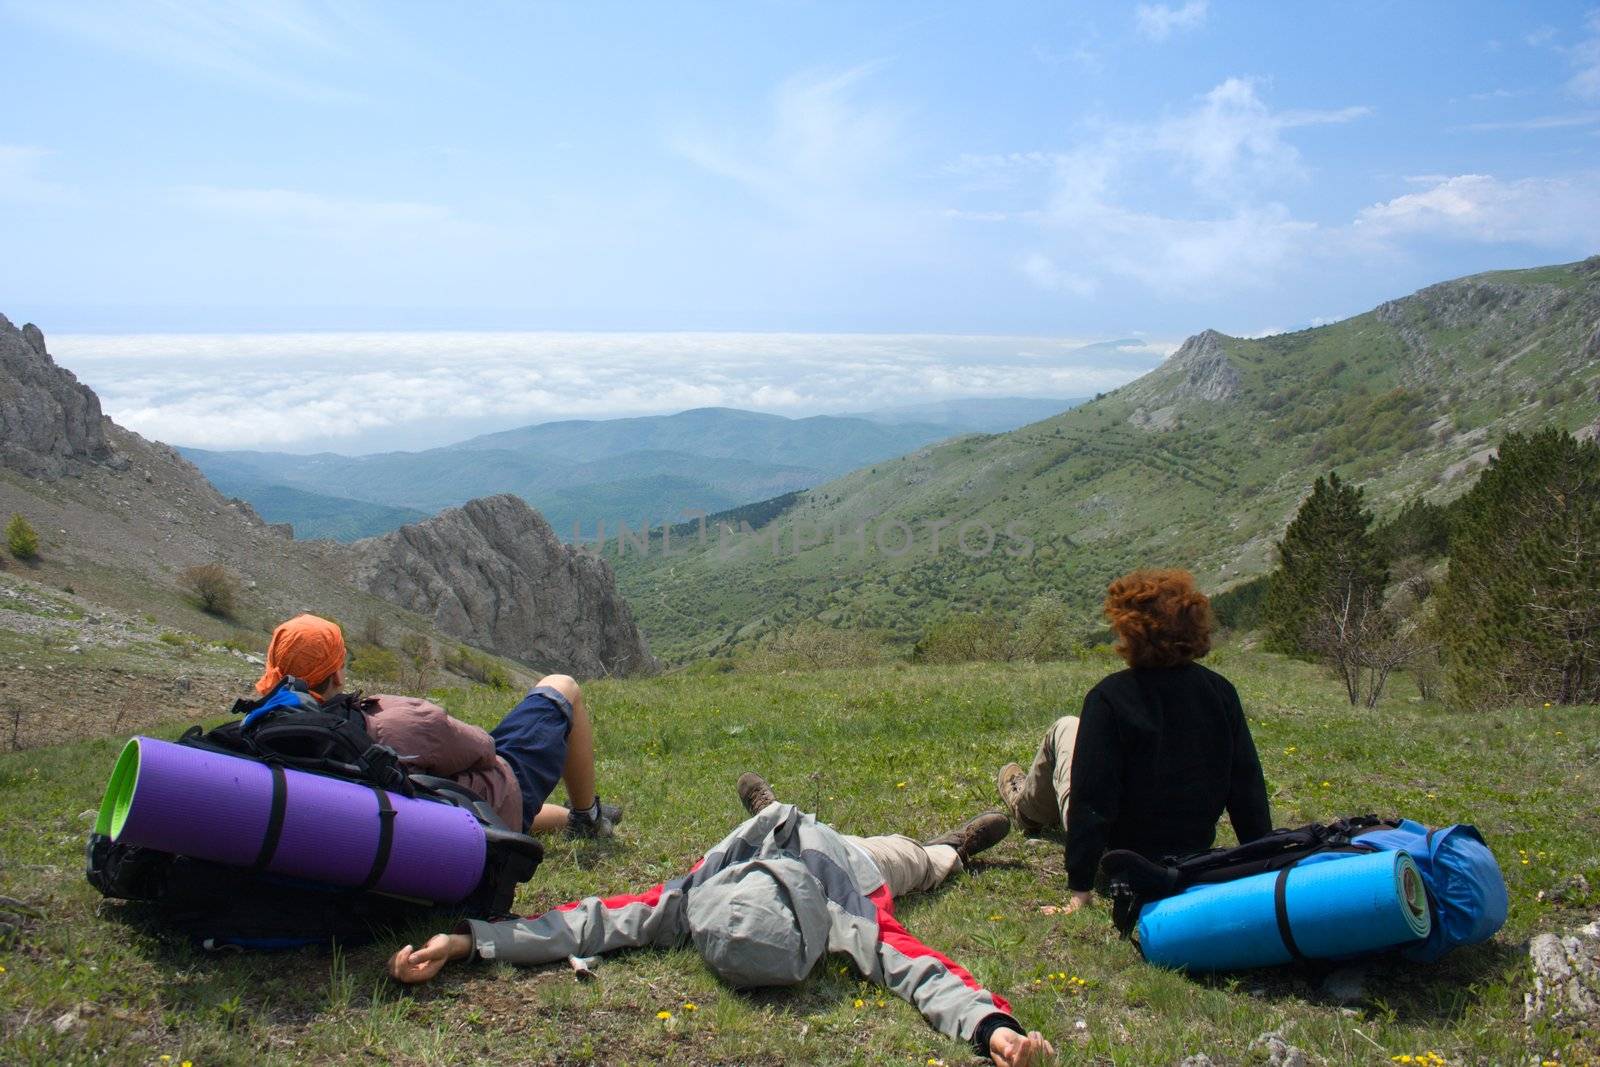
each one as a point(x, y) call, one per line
point(579, 473)
point(1198, 464)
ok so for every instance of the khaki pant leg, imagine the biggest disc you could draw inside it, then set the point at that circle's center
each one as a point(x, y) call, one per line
point(1043, 799)
point(906, 866)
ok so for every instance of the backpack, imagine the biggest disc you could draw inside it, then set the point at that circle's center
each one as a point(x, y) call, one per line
point(1466, 891)
point(222, 907)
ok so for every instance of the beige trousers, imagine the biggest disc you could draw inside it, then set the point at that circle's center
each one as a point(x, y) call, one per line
point(906, 866)
point(1048, 786)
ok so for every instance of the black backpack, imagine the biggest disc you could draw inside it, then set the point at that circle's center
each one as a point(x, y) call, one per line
point(1135, 881)
point(224, 907)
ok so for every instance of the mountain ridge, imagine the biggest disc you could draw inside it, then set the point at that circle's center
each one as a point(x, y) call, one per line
point(1198, 463)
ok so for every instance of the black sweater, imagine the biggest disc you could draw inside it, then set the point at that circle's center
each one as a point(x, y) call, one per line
point(1161, 752)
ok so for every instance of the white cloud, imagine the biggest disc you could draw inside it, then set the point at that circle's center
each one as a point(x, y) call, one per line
point(284, 48)
point(1159, 21)
point(1230, 148)
point(1540, 122)
point(1550, 212)
point(394, 390)
point(1585, 56)
point(318, 212)
point(822, 146)
point(21, 177)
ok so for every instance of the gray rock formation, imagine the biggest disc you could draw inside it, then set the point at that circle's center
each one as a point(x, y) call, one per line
point(50, 425)
point(1199, 370)
point(1208, 374)
point(493, 574)
point(1566, 978)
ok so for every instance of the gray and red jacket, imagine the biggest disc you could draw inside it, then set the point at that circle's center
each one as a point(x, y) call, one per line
point(860, 910)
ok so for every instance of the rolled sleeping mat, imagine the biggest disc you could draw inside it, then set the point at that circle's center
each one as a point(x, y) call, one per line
point(1344, 905)
point(233, 811)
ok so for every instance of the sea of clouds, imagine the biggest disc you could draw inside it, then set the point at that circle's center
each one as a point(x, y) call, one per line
point(364, 392)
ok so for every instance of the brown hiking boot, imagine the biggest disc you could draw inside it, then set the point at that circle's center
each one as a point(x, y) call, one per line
point(975, 835)
point(1010, 781)
point(754, 792)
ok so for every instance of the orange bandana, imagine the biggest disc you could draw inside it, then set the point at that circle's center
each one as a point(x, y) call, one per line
point(308, 647)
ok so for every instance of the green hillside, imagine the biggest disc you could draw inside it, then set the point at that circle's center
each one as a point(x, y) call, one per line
point(316, 515)
point(1198, 464)
point(611, 471)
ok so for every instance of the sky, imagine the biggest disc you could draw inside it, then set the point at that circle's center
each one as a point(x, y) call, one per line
point(411, 184)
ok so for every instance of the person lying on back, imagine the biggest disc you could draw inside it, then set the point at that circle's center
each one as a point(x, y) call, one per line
point(1159, 751)
point(544, 739)
point(763, 906)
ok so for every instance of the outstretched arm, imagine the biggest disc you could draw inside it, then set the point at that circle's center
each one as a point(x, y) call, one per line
point(413, 965)
point(947, 995)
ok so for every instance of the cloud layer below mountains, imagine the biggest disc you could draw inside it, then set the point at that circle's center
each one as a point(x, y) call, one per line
point(361, 392)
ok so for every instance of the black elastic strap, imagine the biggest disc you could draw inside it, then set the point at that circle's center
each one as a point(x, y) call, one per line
point(280, 800)
point(385, 840)
point(1280, 904)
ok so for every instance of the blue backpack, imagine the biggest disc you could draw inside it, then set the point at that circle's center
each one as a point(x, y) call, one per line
point(1465, 887)
point(1466, 891)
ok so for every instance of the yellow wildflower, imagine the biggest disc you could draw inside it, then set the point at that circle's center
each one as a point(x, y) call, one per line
point(690, 1005)
point(899, 785)
point(860, 1003)
point(663, 1015)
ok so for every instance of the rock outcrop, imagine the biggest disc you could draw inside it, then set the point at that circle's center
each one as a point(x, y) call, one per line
point(1207, 373)
point(50, 424)
point(493, 574)
point(1199, 370)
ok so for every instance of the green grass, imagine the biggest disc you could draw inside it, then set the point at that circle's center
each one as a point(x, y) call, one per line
point(896, 748)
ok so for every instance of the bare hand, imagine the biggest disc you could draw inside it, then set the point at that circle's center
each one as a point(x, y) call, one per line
point(1010, 1049)
point(419, 965)
point(1078, 900)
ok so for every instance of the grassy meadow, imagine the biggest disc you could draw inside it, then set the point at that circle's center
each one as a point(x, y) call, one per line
point(894, 748)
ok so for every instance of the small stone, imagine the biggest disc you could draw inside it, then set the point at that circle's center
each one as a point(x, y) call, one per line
point(1199, 1059)
point(65, 1021)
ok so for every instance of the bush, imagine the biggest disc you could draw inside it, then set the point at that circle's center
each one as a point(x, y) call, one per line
point(480, 668)
point(373, 663)
point(814, 645)
point(964, 638)
point(213, 588)
point(1240, 608)
point(21, 538)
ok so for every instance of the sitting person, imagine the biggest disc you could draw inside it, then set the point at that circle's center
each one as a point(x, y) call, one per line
point(544, 738)
point(1160, 750)
point(757, 908)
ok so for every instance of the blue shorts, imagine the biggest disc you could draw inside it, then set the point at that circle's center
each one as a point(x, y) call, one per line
point(532, 738)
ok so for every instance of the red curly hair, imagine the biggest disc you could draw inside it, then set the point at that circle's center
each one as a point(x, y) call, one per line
point(1159, 617)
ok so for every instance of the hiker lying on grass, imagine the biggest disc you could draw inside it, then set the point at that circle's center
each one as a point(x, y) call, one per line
point(545, 738)
point(763, 906)
point(1159, 752)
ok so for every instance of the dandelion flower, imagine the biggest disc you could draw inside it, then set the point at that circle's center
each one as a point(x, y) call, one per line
point(690, 1005)
point(663, 1015)
point(860, 1003)
point(899, 785)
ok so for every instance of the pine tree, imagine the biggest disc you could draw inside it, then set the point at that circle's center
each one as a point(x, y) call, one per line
point(1328, 556)
point(21, 538)
point(1519, 609)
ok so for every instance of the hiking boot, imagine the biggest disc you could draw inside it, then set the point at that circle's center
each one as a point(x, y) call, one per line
point(754, 792)
point(975, 835)
point(1010, 781)
point(583, 824)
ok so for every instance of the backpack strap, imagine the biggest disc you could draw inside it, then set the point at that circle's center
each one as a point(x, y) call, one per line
point(380, 861)
point(270, 839)
point(1280, 906)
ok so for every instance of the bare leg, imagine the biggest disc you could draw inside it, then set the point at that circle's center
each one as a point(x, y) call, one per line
point(548, 819)
point(578, 771)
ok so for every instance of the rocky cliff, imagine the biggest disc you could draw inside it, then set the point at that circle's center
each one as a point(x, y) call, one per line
point(492, 573)
point(122, 518)
point(50, 425)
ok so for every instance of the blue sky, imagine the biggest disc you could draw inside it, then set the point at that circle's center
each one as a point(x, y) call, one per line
point(1050, 169)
